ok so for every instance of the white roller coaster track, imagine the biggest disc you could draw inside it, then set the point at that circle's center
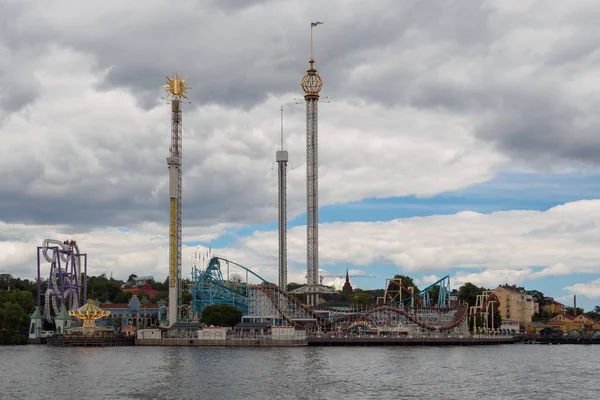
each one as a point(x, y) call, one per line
point(70, 295)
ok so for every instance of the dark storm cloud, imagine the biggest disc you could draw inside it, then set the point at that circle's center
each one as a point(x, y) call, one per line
point(18, 85)
point(421, 55)
point(540, 126)
point(228, 62)
point(236, 5)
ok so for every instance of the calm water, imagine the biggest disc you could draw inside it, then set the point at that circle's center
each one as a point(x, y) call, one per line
point(494, 372)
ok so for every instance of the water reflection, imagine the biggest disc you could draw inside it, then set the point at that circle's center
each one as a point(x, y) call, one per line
point(495, 372)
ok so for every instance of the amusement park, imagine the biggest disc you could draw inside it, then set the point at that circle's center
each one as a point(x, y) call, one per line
point(270, 313)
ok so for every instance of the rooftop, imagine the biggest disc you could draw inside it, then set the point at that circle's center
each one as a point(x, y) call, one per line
point(252, 325)
point(187, 325)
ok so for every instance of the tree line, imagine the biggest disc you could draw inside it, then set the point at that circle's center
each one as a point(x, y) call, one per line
point(18, 300)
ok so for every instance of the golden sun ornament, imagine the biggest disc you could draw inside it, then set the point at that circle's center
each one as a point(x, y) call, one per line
point(176, 87)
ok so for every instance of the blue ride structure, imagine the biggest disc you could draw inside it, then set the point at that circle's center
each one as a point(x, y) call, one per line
point(217, 284)
point(436, 295)
point(223, 281)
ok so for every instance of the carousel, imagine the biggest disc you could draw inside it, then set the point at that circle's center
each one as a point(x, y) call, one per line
point(89, 313)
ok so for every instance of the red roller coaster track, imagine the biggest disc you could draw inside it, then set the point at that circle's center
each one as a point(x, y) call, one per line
point(270, 289)
point(461, 313)
point(491, 297)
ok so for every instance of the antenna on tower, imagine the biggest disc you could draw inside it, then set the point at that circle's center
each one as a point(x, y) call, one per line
point(281, 128)
point(312, 25)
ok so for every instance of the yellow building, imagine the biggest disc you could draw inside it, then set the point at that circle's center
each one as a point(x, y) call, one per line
point(571, 323)
point(515, 304)
point(534, 327)
point(554, 307)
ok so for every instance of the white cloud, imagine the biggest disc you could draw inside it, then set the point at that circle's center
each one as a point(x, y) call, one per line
point(591, 290)
point(103, 156)
point(508, 240)
point(486, 249)
point(505, 244)
point(491, 278)
point(421, 103)
point(337, 283)
point(426, 280)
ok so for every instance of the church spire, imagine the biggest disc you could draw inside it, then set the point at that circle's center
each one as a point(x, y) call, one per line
point(347, 286)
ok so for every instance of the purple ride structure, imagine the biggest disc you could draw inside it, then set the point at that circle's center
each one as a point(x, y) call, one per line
point(66, 281)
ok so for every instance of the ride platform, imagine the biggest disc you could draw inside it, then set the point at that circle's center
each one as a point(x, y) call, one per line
point(90, 341)
point(407, 341)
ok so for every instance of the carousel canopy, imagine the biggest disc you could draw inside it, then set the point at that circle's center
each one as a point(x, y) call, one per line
point(89, 311)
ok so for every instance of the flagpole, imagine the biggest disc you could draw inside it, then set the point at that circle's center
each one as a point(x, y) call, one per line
point(311, 54)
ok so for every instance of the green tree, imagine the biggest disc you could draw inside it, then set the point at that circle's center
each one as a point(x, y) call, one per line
point(292, 286)
point(361, 298)
point(569, 311)
point(117, 322)
point(497, 318)
point(160, 286)
point(434, 294)
point(103, 289)
point(123, 297)
point(595, 313)
point(469, 292)
point(407, 282)
point(221, 315)
point(186, 298)
point(538, 297)
point(13, 322)
point(162, 295)
point(23, 298)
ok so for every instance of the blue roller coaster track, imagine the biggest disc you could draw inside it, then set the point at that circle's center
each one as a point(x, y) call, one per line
point(424, 296)
point(209, 287)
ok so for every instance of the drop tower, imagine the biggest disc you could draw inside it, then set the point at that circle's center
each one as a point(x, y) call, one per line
point(282, 159)
point(311, 85)
point(176, 89)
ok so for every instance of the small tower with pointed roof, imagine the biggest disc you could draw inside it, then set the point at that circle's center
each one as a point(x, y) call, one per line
point(35, 324)
point(62, 321)
point(347, 286)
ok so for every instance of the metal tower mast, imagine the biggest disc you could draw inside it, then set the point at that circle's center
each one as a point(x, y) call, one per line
point(312, 85)
point(176, 89)
point(282, 159)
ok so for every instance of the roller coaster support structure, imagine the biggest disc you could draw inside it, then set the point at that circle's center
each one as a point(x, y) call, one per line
point(65, 280)
point(210, 287)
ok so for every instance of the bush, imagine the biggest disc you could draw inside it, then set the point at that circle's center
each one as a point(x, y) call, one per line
point(221, 315)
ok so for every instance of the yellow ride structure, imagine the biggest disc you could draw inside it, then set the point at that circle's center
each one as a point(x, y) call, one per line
point(89, 313)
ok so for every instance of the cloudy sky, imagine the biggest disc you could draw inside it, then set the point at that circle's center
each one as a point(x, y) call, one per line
point(460, 137)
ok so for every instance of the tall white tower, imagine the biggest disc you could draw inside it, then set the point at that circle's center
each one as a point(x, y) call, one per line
point(312, 85)
point(282, 159)
point(176, 89)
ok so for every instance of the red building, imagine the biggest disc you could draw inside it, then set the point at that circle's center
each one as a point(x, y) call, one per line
point(147, 289)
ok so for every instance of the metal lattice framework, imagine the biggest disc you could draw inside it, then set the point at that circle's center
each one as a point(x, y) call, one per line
point(395, 288)
point(210, 287)
point(271, 302)
point(267, 301)
point(486, 305)
point(176, 89)
point(65, 280)
point(311, 85)
point(389, 316)
point(312, 193)
point(175, 194)
point(282, 172)
point(282, 159)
